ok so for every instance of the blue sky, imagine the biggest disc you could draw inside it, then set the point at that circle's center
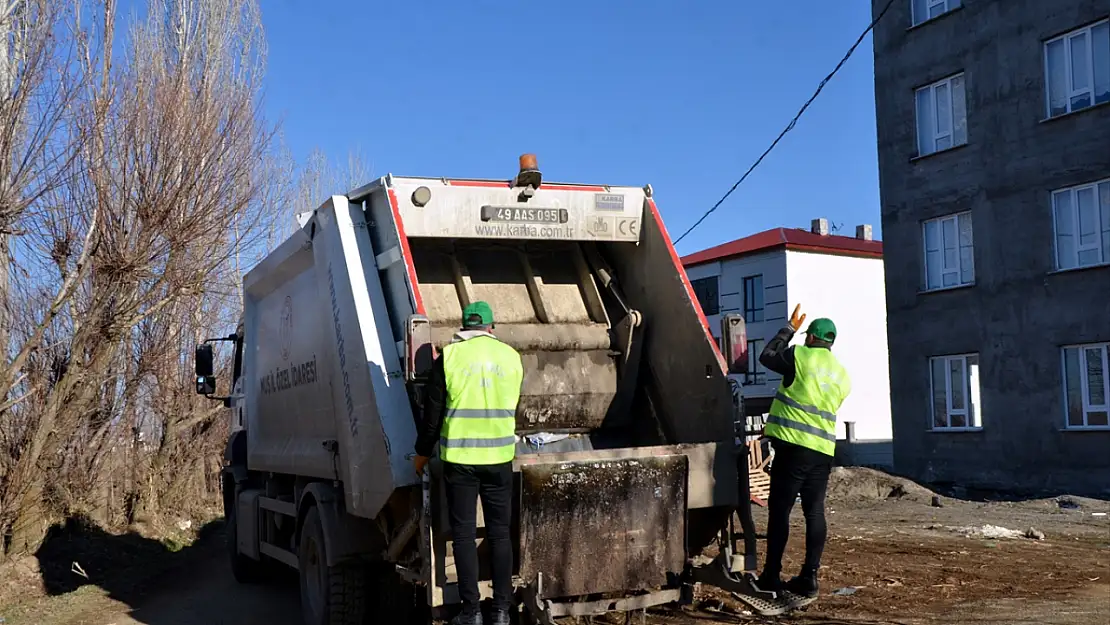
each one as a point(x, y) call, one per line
point(681, 95)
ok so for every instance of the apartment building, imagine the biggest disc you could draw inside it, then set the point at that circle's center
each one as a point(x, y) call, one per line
point(993, 124)
point(764, 275)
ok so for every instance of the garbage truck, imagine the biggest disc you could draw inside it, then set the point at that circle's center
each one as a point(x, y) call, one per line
point(627, 463)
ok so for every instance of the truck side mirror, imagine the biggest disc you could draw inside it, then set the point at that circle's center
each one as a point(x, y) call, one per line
point(734, 342)
point(205, 369)
point(419, 352)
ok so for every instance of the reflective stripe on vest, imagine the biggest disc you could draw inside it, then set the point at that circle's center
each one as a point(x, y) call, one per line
point(483, 388)
point(804, 413)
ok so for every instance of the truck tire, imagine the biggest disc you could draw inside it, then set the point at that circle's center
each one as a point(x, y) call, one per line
point(395, 599)
point(334, 595)
point(244, 569)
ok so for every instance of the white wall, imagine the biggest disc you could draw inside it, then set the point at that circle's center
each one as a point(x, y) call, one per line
point(851, 292)
point(731, 272)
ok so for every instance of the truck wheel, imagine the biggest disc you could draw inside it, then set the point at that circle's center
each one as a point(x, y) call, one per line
point(244, 569)
point(396, 599)
point(333, 595)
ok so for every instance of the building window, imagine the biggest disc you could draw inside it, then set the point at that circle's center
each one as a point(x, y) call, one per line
point(925, 10)
point(1081, 218)
point(753, 299)
point(1077, 69)
point(756, 373)
point(1087, 386)
point(707, 292)
point(955, 386)
point(941, 115)
point(949, 252)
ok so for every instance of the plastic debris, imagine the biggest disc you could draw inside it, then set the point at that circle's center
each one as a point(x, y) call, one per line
point(844, 592)
point(996, 531)
point(543, 438)
point(1034, 534)
point(986, 531)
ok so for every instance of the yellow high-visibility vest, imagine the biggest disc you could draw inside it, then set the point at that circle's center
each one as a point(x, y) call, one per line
point(804, 413)
point(483, 388)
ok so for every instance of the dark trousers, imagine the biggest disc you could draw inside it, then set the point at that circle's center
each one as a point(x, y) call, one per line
point(797, 471)
point(494, 483)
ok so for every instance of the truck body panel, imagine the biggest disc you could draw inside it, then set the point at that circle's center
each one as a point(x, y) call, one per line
point(285, 368)
point(333, 330)
point(684, 358)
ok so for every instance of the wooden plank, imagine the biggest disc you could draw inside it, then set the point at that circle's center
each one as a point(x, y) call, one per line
point(759, 481)
point(757, 461)
point(755, 454)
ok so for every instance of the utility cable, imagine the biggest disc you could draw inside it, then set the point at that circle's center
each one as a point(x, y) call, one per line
point(792, 123)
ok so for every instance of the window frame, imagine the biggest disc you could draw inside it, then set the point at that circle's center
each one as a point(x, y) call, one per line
point(1073, 199)
point(959, 257)
point(762, 309)
point(757, 373)
point(967, 411)
point(1070, 91)
point(1084, 385)
point(717, 304)
point(949, 6)
point(951, 134)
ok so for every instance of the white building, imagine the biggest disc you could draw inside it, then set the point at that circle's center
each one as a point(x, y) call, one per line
point(765, 275)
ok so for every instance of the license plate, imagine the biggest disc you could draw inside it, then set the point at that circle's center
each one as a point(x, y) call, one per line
point(515, 214)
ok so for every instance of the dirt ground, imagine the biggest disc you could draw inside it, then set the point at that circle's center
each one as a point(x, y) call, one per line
point(893, 557)
point(905, 561)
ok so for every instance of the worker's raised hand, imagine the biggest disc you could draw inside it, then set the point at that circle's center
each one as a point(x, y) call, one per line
point(418, 463)
point(796, 321)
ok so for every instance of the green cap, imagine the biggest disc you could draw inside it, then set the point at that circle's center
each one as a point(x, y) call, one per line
point(479, 309)
point(823, 329)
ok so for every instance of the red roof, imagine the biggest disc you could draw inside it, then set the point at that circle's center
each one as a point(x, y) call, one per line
point(791, 239)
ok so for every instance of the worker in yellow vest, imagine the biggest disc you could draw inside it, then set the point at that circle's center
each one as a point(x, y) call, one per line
point(470, 410)
point(802, 429)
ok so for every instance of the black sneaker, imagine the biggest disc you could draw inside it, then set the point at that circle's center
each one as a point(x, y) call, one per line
point(769, 583)
point(801, 591)
point(763, 595)
point(467, 618)
point(500, 617)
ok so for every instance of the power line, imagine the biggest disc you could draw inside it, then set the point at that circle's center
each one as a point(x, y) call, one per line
point(792, 123)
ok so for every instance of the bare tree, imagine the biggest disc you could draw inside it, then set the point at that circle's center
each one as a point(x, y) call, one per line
point(138, 178)
point(37, 148)
point(155, 174)
point(321, 178)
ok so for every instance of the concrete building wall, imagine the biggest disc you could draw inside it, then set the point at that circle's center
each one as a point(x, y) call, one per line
point(850, 291)
point(1018, 311)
